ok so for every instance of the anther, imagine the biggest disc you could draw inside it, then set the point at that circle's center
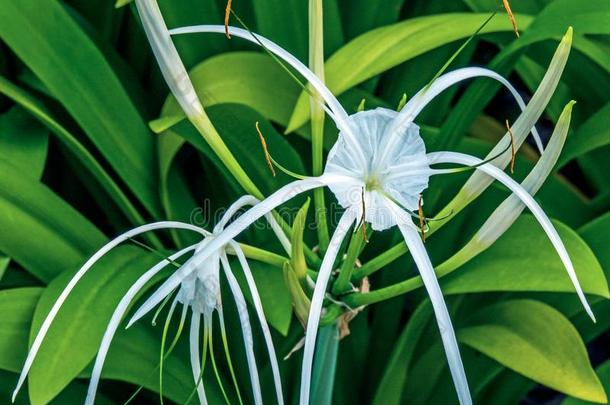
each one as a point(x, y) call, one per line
point(511, 16)
point(227, 15)
point(422, 218)
point(513, 148)
point(265, 150)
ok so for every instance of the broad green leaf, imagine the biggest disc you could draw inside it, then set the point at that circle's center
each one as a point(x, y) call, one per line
point(67, 62)
point(536, 341)
point(523, 259)
point(40, 231)
point(38, 110)
point(4, 261)
point(17, 308)
point(597, 233)
point(381, 49)
point(23, 143)
point(73, 339)
point(603, 372)
point(593, 134)
point(362, 16)
point(285, 23)
point(249, 78)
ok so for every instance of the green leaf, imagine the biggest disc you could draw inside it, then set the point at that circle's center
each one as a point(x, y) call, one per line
point(536, 341)
point(381, 49)
point(593, 134)
point(285, 23)
point(67, 62)
point(74, 337)
point(40, 231)
point(603, 372)
point(523, 259)
point(297, 257)
point(37, 109)
point(17, 307)
point(23, 143)
point(325, 365)
point(4, 261)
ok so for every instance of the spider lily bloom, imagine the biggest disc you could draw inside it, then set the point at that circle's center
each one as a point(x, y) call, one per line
point(200, 292)
point(377, 170)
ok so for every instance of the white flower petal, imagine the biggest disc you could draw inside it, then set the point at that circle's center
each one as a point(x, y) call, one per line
point(421, 259)
point(528, 200)
point(239, 225)
point(169, 61)
point(246, 328)
point(195, 358)
point(46, 324)
point(258, 306)
point(117, 316)
point(317, 300)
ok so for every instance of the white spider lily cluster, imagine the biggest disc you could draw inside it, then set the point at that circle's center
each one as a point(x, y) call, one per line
point(377, 170)
point(199, 292)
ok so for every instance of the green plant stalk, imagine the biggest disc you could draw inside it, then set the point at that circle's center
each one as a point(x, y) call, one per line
point(316, 64)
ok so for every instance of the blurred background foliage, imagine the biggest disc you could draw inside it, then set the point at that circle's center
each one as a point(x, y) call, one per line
point(79, 164)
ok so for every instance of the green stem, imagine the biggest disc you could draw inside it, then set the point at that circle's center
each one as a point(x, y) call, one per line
point(316, 64)
point(343, 285)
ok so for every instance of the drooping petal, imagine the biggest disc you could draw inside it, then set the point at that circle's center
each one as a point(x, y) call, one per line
point(117, 316)
point(337, 112)
point(195, 358)
point(528, 200)
point(284, 194)
point(414, 106)
point(246, 328)
point(46, 324)
point(478, 182)
point(169, 61)
point(510, 209)
point(317, 300)
point(258, 306)
point(422, 261)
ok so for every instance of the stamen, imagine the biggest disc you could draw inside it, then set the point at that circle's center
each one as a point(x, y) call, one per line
point(362, 223)
point(265, 150)
point(157, 252)
point(160, 308)
point(513, 148)
point(227, 15)
point(511, 16)
point(422, 221)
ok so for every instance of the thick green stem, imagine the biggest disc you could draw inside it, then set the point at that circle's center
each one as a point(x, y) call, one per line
point(343, 284)
point(316, 64)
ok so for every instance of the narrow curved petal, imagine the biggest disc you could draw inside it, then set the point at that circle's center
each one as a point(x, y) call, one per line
point(317, 300)
point(421, 259)
point(117, 316)
point(46, 324)
point(169, 61)
point(246, 328)
point(414, 106)
point(258, 306)
point(195, 358)
point(284, 194)
point(528, 200)
point(510, 209)
point(251, 200)
point(337, 112)
point(478, 182)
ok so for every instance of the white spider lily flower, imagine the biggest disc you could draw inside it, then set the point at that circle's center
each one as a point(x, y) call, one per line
point(200, 292)
point(377, 170)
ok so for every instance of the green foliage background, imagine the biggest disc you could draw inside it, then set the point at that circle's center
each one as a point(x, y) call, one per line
point(79, 164)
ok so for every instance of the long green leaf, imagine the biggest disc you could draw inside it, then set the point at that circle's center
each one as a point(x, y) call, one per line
point(537, 341)
point(56, 49)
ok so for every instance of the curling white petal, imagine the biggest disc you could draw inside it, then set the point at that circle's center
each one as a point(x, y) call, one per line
point(528, 200)
point(169, 61)
point(46, 324)
point(317, 300)
point(414, 106)
point(118, 314)
point(195, 358)
point(246, 327)
point(251, 200)
point(235, 228)
point(337, 112)
point(478, 182)
point(510, 209)
point(258, 306)
point(420, 256)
